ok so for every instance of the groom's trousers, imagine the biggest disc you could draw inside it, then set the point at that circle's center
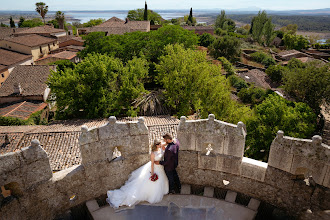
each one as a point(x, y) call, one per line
point(173, 180)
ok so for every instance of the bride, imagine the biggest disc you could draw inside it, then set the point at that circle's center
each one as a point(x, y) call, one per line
point(141, 185)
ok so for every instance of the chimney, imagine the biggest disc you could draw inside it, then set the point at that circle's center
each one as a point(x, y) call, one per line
point(17, 88)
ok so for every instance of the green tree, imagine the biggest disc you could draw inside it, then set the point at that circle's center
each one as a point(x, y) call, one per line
point(99, 86)
point(12, 23)
point(227, 66)
point(262, 29)
point(3, 25)
point(292, 41)
point(94, 22)
point(310, 84)
point(190, 18)
point(224, 23)
point(61, 65)
point(276, 72)
point(145, 15)
point(290, 29)
point(21, 20)
point(228, 47)
point(263, 58)
point(54, 23)
point(35, 22)
point(138, 15)
point(59, 17)
point(206, 39)
point(273, 114)
point(192, 84)
point(42, 9)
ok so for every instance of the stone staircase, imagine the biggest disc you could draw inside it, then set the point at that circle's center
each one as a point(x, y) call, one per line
point(183, 206)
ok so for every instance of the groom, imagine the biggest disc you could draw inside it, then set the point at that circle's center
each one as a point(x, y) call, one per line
point(171, 162)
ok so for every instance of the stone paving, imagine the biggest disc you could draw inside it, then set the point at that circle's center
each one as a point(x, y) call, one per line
point(175, 207)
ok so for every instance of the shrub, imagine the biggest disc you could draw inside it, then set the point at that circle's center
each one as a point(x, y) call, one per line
point(237, 82)
point(263, 58)
point(275, 72)
point(9, 121)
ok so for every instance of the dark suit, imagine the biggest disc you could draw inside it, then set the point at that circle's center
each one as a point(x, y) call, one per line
point(171, 161)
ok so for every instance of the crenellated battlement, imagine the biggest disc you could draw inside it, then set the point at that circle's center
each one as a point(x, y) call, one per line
point(211, 154)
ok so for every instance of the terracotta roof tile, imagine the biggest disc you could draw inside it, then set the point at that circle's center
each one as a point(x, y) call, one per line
point(7, 31)
point(31, 78)
point(22, 110)
point(65, 55)
point(46, 29)
point(8, 58)
point(31, 40)
point(69, 37)
point(62, 146)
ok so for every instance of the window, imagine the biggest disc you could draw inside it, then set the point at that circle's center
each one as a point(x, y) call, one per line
point(9, 47)
point(40, 49)
point(2, 75)
point(48, 47)
point(54, 44)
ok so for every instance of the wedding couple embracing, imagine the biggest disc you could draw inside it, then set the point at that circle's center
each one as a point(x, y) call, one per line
point(153, 180)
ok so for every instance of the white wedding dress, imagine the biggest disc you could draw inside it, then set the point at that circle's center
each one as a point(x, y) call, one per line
point(139, 187)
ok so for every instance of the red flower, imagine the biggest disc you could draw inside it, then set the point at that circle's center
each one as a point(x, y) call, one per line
point(154, 177)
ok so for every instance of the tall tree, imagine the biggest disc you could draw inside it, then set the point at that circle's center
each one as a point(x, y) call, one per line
point(11, 21)
point(145, 15)
point(262, 28)
point(21, 20)
point(190, 18)
point(59, 17)
point(42, 9)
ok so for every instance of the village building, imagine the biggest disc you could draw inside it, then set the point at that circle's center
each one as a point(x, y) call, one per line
point(33, 44)
point(70, 40)
point(9, 60)
point(117, 26)
point(6, 32)
point(26, 83)
point(63, 55)
point(46, 30)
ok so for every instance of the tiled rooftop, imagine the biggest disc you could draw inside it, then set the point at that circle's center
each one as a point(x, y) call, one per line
point(60, 139)
point(31, 40)
point(46, 29)
point(8, 58)
point(7, 31)
point(31, 78)
point(69, 37)
point(21, 110)
point(65, 55)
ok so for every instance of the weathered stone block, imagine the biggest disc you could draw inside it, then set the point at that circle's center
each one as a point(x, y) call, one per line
point(253, 169)
point(229, 164)
point(88, 135)
point(187, 141)
point(92, 205)
point(207, 162)
point(92, 152)
point(9, 162)
point(311, 167)
point(231, 196)
point(114, 130)
point(33, 153)
point(139, 145)
point(235, 144)
point(185, 189)
point(279, 155)
point(38, 171)
point(138, 128)
point(326, 181)
point(204, 140)
point(208, 191)
point(253, 204)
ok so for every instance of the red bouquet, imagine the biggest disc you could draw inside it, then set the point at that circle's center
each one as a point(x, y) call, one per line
point(154, 177)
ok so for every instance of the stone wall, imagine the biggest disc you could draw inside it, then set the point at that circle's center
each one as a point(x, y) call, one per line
point(46, 194)
point(211, 154)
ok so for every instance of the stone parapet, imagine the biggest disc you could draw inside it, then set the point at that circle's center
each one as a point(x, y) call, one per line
point(307, 158)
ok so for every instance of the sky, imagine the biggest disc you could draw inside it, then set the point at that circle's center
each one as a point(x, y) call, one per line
point(67, 5)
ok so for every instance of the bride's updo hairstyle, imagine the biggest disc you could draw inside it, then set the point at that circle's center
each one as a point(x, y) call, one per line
point(154, 146)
